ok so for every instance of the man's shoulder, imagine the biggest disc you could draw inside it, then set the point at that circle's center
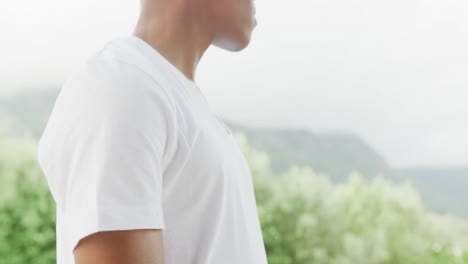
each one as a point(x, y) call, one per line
point(114, 69)
point(115, 72)
point(120, 53)
point(116, 65)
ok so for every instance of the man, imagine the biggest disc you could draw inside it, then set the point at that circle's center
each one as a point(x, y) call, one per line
point(140, 168)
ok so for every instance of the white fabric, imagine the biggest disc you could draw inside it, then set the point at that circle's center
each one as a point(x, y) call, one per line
point(131, 143)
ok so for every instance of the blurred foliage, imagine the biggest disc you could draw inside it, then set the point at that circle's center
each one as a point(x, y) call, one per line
point(304, 217)
point(27, 209)
point(307, 219)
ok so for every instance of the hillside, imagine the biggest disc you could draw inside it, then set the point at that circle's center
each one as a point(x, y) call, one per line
point(27, 112)
point(335, 155)
point(443, 189)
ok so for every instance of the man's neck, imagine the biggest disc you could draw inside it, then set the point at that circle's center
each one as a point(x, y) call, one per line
point(176, 36)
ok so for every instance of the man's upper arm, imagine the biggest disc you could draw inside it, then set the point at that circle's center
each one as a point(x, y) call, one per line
point(142, 246)
point(112, 162)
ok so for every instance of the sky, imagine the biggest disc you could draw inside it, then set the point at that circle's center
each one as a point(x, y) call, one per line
point(392, 72)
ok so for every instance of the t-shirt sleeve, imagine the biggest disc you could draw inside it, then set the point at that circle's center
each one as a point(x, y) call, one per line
point(116, 146)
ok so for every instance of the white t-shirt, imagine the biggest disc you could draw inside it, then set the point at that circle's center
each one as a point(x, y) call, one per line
point(131, 143)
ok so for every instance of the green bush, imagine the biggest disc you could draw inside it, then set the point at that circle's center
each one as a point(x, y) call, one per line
point(27, 209)
point(305, 218)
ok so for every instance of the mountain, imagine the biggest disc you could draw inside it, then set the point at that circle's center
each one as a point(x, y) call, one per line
point(335, 155)
point(332, 154)
point(27, 112)
point(442, 189)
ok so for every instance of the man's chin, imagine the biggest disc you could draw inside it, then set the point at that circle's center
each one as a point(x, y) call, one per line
point(232, 45)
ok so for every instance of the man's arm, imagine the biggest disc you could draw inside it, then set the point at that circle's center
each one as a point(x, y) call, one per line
point(142, 246)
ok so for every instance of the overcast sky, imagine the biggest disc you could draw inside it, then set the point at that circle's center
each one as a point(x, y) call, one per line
point(394, 72)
